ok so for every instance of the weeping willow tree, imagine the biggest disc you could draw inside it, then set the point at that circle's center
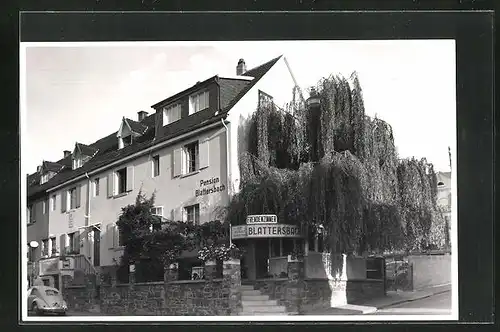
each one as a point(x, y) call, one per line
point(333, 166)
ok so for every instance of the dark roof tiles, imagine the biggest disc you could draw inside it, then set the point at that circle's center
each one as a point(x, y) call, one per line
point(86, 150)
point(51, 166)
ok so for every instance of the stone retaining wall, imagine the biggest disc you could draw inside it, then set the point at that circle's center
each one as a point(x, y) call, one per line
point(214, 297)
point(197, 298)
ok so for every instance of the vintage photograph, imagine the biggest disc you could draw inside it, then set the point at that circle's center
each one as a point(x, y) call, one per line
point(239, 180)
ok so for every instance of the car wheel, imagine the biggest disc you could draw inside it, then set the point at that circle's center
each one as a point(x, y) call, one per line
point(35, 309)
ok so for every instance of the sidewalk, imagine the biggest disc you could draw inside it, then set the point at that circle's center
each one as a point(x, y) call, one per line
point(372, 305)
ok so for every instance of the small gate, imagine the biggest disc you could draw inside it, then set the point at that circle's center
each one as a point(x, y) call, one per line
point(399, 274)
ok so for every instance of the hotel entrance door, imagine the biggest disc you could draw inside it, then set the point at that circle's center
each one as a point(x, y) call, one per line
point(261, 258)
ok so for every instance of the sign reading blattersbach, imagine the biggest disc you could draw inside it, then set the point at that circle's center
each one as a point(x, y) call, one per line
point(265, 231)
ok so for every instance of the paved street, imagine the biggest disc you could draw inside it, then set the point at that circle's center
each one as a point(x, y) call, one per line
point(439, 304)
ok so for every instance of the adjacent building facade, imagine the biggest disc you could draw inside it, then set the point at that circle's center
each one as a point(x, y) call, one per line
point(444, 198)
point(185, 152)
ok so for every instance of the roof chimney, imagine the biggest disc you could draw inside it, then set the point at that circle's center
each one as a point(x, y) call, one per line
point(141, 115)
point(38, 169)
point(241, 68)
point(66, 153)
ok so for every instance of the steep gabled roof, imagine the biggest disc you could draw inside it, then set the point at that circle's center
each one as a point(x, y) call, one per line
point(85, 150)
point(51, 166)
point(106, 149)
point(257, 73)
point(135, 126)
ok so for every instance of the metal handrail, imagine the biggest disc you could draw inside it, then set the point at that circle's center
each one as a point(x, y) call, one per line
point(82, 262)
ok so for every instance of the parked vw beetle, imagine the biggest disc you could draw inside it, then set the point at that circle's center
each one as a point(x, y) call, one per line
point(44, 299)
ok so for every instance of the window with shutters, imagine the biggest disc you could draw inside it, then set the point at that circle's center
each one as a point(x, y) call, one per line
point(171, 114)
point(53, 246)
point(191, 157)
point(96, 187)
point(193, 214)
point(156, 165)
point(72, 198)
point(73, 243)
point(121, 181)
point(120, 239)
point(31, 214)
point(198, 102)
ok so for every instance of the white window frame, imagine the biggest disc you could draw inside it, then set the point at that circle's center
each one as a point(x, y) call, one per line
point(171, 114)
point(195, 104)
point(186, 158)
point(77, 162)
point(153, 160)
point(44, 178)
point(53, 202)
point(44, 207)
point(196, 208)
point(155, 209)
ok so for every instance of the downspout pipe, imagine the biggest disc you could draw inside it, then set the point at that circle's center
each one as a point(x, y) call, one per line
point(229, 191)
point(88, 206)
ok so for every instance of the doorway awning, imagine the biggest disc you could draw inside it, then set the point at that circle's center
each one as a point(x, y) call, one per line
point(96, 225)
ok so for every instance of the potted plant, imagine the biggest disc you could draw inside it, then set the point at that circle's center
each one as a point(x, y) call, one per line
point(229, 253)
point(208, 255)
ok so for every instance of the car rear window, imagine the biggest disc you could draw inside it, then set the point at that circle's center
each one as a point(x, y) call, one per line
point(51, 292)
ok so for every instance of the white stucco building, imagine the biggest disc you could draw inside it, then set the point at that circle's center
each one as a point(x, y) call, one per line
point(185, 150)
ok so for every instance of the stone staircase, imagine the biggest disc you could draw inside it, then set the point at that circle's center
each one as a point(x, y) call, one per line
point(256, 304)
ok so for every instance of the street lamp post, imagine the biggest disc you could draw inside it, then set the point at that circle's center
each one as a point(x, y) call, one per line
point(33, 245)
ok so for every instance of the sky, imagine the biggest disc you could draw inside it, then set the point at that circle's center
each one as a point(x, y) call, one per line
point(79, 92)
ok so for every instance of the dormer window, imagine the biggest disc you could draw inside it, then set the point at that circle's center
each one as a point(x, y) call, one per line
point(129, 130)
point(127, 140)
point(81, 154)
point(198, 102)
point(48, 170)
point(77, 162)
point(171, 114)
point(45, 178)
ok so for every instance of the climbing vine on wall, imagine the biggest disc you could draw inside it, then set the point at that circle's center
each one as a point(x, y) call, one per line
point(332, 165)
